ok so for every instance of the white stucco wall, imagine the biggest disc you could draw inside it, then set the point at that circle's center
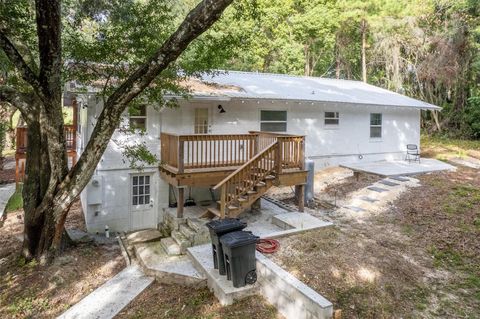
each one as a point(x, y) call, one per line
point(325, 145)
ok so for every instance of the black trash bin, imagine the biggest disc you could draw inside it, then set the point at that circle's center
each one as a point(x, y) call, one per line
point(239, 254)
point(217, 229)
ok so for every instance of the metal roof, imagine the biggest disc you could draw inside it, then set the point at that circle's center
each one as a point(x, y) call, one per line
point(251, 85)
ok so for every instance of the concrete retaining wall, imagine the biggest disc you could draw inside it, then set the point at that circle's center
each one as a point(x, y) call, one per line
point(292, 298)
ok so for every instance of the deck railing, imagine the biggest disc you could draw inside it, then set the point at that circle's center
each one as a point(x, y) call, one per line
point(209, 151)
point(22, 140)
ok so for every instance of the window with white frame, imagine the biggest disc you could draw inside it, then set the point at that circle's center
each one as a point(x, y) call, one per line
point(375, 125)
point(140, 190)
point(273, 121)
point(332, 118)
point(138, 117)
point(201, 121)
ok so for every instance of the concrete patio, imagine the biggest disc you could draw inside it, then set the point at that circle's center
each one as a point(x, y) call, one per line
point(399, 168)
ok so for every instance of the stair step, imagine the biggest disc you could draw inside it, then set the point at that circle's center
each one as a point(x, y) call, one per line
point(170, 246)
point(181, 240)
point(252, 192)
point(195, 224)
point(187, 232)
point(232, 207)
point(242, 199)
point(214, 211)
point(260, 184)
point(270, 177)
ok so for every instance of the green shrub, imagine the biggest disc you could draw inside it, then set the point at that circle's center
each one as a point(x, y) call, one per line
point(472, 116)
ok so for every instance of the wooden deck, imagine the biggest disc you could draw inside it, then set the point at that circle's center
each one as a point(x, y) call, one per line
point(22, 143)
point(241, 166)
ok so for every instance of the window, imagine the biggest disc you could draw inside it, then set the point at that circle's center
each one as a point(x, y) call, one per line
point(375, 125)
point(138, 117)
point(201, 121)
point(273, 121)
point(140, 190)
point(332, 118)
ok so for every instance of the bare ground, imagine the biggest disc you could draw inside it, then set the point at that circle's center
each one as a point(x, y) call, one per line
point(420, 258)
point(173, 301)
point(34, 291)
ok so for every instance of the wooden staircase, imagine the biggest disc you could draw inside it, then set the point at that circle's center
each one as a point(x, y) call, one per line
point(248, 183)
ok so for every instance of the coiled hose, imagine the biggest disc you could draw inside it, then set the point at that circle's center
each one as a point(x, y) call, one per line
point(267, 246)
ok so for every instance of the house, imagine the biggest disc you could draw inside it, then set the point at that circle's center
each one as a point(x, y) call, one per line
point(239, 134)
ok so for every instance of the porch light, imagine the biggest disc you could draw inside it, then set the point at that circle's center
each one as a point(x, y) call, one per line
point(222, 110)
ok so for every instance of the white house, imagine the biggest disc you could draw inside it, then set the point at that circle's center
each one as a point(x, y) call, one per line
point(342, 121)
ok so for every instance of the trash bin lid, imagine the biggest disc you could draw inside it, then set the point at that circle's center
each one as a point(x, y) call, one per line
point(225, 225)
point(238, 239)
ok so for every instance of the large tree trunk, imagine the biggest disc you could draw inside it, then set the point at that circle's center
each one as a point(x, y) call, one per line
point(43, 233)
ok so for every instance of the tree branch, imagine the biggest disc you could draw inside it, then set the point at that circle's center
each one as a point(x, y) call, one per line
point(24, 102)
point(50, 50)
point(17, 60)
point(204, 15)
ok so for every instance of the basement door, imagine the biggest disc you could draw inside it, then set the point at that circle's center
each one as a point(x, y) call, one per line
point(143, 213)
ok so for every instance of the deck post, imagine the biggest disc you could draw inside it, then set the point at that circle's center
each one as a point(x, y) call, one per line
point(256, 147)
point(279, 157)
point(300, 193)
point(302, 153)
point(180, 202)
point(16, 171)
point(180, 155)
point(223, 200)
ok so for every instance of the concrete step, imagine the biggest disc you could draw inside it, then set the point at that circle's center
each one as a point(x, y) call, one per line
point(167, 269)
point(170, 246)
point(181, 240)
point(188, 232)
point(143, 236)
point(196, 224)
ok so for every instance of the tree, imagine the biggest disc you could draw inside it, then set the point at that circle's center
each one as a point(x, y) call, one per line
point(51, 187)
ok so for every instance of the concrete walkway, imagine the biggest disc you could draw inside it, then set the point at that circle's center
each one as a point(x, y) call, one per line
point(109, 299)
point(397, 168)
point(6, 191)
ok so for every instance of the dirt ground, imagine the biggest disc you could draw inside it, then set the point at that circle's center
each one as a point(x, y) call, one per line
point(173, 301)
point(332, 186)
point(420, 258)
point(33, 291)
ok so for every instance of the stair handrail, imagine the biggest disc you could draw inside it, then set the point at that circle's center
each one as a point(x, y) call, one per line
point(241, 168)
point(224, 184)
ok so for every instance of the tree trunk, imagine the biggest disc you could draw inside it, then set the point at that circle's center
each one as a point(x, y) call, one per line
point(363, 28)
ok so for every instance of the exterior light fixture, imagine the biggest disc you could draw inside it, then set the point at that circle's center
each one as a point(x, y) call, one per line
point(222, 110)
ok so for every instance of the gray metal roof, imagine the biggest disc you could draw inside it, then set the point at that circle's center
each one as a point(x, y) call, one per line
point(251, 85)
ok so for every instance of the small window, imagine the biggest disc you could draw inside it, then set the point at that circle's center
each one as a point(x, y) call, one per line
point(140, 190)
point(332, 118)
point(375, 125)
point(138, 117)
point(201, 121)
point(273, 121)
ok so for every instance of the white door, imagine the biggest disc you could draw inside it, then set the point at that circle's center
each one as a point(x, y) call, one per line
point(142, 206)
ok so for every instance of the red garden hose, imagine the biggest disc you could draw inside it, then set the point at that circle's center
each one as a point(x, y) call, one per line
point(268, 246)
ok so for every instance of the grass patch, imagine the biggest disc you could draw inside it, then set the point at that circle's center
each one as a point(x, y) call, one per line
point(442, 148)
point(16, 201)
